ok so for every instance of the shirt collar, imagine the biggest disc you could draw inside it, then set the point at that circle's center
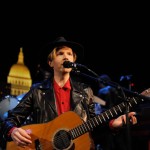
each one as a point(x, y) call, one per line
point(66, 86)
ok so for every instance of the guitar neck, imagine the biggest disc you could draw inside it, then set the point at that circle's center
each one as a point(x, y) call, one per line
point(102, 118)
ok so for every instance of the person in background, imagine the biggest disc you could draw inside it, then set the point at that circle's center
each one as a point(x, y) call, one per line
point(112, 97)
point(61, 93)
point(108, 93)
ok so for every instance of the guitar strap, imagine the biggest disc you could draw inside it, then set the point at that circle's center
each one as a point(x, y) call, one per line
point(86, 107)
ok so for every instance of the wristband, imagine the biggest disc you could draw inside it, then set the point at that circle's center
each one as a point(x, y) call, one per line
point(10, 131)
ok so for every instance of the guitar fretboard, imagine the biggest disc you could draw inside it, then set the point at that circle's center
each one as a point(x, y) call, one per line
point(102, 118)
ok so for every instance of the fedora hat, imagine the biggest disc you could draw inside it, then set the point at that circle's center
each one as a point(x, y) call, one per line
point(61, 41)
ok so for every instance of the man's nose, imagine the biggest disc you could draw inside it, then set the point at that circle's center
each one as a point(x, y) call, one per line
point(65, 56)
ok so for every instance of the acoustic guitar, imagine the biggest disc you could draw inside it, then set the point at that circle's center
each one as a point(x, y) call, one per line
point(68, 131)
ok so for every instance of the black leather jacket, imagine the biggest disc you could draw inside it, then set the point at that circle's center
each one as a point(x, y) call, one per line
point(40, 102)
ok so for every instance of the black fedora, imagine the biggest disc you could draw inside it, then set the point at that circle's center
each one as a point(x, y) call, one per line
point(61, 41)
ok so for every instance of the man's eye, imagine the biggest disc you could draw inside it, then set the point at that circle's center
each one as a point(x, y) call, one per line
point(70, 54)
point(59, 53)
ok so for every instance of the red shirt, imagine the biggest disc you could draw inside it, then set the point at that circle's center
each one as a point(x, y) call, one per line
point(62, 95)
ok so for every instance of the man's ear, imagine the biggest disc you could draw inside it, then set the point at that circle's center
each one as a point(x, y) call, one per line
point(50, 63)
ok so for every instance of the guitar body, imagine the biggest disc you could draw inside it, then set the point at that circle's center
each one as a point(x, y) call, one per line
point(43, 134)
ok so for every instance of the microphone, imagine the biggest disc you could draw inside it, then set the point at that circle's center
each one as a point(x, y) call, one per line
point(68, 64)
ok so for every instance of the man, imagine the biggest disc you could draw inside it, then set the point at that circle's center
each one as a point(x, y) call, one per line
point(52, 98)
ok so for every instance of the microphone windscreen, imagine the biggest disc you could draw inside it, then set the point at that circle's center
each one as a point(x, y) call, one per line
point(67, 64)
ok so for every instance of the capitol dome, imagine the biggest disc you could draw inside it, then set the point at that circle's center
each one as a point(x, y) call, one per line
point(19, 76)
point(19, 70)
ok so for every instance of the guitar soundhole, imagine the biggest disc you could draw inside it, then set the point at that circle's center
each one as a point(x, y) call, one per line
point(62, 140)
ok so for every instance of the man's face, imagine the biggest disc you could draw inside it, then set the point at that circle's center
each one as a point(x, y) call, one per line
point(63, 54)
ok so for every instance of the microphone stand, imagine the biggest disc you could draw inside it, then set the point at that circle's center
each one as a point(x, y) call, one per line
point(123, 90)
point(113, 84)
